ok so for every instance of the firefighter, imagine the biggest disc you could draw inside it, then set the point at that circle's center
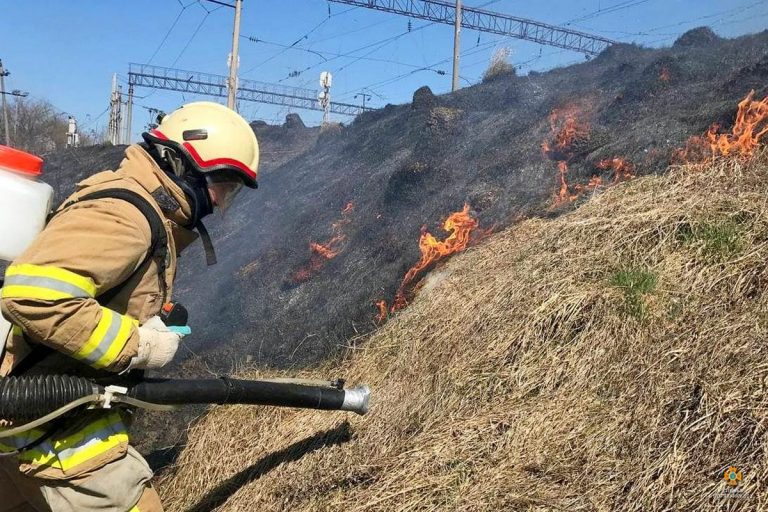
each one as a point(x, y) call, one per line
point(85, 297)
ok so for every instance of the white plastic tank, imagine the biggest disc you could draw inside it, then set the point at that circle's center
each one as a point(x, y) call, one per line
point(24, 201)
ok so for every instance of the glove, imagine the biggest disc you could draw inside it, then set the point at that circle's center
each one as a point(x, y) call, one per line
point(157, 345)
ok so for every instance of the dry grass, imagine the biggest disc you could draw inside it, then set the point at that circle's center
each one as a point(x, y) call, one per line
point(614, 358)
point(499, 65)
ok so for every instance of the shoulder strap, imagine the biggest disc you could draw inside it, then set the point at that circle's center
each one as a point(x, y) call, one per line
point(158, 248)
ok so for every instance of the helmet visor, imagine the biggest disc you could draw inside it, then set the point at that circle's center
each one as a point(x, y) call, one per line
point(223, 190)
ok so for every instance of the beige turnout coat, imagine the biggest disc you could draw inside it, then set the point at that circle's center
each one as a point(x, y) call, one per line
point(52, 296)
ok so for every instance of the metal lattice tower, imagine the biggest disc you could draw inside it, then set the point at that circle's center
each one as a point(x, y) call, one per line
point(156, 77)
point(493, 22)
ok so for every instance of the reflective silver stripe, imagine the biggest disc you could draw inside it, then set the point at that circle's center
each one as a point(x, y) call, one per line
point(49, 283)
point(95, 438)
point(109, 338)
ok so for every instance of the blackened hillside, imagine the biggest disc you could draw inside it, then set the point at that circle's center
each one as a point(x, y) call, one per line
point(411, 165)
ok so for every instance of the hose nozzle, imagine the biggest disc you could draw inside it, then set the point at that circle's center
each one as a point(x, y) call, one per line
point(357, 400)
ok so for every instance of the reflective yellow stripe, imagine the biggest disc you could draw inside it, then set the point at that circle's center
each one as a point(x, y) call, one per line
point(33, 292)
point(90, 442)
point(11, 444)
point(135, 509)
point(46, 283)
point(16, 330)
point(107, 340)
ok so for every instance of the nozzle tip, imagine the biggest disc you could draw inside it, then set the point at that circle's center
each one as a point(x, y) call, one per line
point(357, 400)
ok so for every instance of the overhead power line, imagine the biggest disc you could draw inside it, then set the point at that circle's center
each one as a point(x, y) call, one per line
point(487, 21)
point(325, 54)
point(300, 39)
point(626, 4)
point(168, 32)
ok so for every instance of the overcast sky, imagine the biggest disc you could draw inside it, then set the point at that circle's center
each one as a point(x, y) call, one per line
point(66, 52)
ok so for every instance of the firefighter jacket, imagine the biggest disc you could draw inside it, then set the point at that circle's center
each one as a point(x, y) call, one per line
point(54, 295)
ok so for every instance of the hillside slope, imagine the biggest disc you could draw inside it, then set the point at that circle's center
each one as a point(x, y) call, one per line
point(407, 166)
point(613, 358)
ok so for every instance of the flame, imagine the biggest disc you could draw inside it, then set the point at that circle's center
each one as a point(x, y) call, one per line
point(564, 195)
point(383, 311)
point(566, 130)
point(321, 253)
point(460, 226)
point(594, 183)
point(623, 170)
point(750, 126)
point(664, 74)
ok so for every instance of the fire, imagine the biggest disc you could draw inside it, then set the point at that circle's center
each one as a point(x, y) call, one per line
point(566, 130)
point(750, 126)
point(321, 253)
point(383, 311)
point(623, 170)
point(460, 226)
point(594, 183)
point(664, 74)
point(564, 195)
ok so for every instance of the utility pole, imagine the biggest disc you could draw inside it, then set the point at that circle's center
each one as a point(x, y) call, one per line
point(234, 61)
point(115, 114)
point(3, 74)
point(129, 115)
point(456, 46)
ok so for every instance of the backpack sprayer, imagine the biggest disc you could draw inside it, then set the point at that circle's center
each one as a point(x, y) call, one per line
point(41, 399)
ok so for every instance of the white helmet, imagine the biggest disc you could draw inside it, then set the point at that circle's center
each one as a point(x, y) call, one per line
point(217, 142)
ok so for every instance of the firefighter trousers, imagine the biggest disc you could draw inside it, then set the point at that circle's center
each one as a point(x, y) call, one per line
point(120, 486)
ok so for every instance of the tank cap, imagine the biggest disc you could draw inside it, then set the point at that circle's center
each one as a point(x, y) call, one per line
point(18, 161)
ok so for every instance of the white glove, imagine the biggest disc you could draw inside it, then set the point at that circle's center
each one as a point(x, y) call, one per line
point(157, 345)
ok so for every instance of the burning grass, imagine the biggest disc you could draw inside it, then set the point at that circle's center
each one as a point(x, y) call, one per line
point(525, 379)
point(321, 253)
point(749, 127)
point(460, 227)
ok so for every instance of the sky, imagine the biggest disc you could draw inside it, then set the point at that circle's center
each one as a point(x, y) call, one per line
point(66, 52)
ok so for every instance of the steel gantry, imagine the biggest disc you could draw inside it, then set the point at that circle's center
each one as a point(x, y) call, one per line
point(156, 77)
point(489, 21)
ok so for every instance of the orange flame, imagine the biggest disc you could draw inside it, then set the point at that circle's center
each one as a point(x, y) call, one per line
point(623, 170)
point(566, 129)
point(564, 195)
point(664, 74)
point(460, 226)
point(323, 252)
point(745, 137)
point(383, 311)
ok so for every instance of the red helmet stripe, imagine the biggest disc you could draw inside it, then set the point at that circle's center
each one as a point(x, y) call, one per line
point(209, 163)
point(160, 135)
point(219, 161)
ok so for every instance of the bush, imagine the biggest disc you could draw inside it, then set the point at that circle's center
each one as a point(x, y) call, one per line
point(35, 126)
point(499, 66)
